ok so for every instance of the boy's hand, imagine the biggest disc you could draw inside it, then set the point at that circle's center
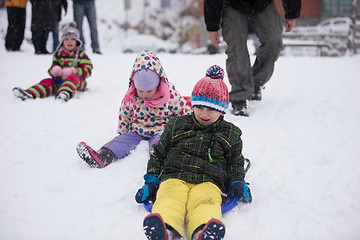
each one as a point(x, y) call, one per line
point(241, 190)
point(148, 191)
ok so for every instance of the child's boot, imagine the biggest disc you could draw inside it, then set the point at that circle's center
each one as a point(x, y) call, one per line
point(213, 230)
point(63, 95)
point(22, 94)
point(95, 159)
point(154, 227)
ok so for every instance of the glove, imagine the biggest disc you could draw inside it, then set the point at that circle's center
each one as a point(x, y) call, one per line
point(66, 72)
point(56, 71)
point(148, 191)
point(241, 190)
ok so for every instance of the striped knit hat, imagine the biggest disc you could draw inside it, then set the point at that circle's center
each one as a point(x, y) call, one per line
point(71, 31)
point(211, 91)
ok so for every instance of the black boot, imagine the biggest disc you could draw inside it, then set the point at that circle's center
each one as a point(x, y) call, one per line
point(257, 94)
point(240, 108)
point(95, 159)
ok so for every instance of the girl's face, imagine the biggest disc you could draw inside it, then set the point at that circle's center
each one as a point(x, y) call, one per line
point(146, 95)
point(206, 116)
point(69, 43)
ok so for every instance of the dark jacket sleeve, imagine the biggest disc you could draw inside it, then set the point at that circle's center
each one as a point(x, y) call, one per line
point(212, 14)
point(235, 168)
point(156, 161)
point(292, 8)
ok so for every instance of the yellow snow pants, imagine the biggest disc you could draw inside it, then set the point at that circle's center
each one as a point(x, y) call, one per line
point(185, 206)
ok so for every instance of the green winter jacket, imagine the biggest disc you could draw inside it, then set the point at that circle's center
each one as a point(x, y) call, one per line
point(195, 153)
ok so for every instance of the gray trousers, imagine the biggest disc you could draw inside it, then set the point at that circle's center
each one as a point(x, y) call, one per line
point(242, 76)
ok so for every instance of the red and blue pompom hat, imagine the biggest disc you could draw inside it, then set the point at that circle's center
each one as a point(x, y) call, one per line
point(211, 91)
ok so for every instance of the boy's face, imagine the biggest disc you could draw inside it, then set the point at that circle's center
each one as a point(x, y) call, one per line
point(146, 95)
point(206, 116)
point(69, 43)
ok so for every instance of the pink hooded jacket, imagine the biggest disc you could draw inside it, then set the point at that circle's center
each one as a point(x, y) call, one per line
point(147, 118)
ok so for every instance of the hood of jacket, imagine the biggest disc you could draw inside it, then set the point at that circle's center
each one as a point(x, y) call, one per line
point(148, 60)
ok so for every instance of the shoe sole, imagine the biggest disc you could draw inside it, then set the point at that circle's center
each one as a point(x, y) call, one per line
point(243, 113)
point(214, 230)
point(22, 94)
point(87, 154)
point(256, 97)
point(62, 96)
point(154, 227)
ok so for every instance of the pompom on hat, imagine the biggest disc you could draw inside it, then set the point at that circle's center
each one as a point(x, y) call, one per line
point(146, 79)
point(211, 91)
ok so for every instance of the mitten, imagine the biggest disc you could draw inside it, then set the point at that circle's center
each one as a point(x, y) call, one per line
point(56, 71)
point(148, 191)
point(241, 190)
point(66, 72)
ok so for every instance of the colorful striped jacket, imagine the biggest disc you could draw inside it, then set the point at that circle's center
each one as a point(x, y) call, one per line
point(195, 153)
point(66, 58)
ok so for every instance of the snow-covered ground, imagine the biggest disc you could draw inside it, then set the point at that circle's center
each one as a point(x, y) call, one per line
point(303, 139)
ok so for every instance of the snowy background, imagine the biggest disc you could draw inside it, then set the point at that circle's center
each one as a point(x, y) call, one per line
point(303, 140)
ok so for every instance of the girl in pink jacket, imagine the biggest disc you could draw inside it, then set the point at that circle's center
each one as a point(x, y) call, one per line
point(150, 102)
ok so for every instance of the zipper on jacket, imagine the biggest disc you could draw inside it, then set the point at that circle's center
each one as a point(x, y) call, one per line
point(209, 155)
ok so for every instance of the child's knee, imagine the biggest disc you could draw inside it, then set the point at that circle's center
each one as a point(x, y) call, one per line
point(73, 78)
point(47, 82)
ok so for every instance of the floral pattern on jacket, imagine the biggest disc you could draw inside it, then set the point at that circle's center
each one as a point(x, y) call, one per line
point(144, 120)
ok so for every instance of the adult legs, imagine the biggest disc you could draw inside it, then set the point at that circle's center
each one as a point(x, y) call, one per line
point(268, 28)
point(55, 34)
point(238, 65)
point(90, 12)
point(39, 39)
point(79, 13)
point(16, 28)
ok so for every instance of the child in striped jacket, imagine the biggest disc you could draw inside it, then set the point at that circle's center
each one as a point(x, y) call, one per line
point(69, 70)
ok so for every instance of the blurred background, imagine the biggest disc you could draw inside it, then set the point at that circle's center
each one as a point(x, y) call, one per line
point(325, 28)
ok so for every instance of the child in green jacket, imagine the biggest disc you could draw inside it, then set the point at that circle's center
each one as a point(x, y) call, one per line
point(196, 157)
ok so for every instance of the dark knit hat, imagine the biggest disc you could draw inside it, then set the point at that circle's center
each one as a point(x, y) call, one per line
point(211, 91)
point(72, 32)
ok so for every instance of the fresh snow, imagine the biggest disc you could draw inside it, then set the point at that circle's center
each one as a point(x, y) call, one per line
point(303, 139)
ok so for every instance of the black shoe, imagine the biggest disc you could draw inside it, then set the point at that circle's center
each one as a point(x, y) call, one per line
point(44, 52)
point(213, 230)
point(257, 94)
point(13, 49)
point(154, 227)
point(97, 52)
point(240, 108)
